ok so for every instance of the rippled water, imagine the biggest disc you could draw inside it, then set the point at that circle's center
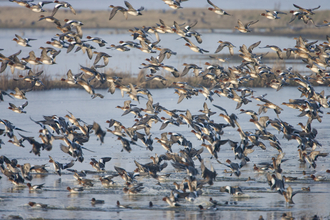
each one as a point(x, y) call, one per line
point(257, 200)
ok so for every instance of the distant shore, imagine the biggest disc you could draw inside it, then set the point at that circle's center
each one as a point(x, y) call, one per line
point(7, 81)
point(206, 20)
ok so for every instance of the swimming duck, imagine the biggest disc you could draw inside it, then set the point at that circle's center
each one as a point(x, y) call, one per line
point(133, 190)
point(75, 189)
point(96, 201)
point(35, 187)
point(119, 205)
point(37, 205)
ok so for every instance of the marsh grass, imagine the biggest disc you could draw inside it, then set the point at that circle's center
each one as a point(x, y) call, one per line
point(7, 81)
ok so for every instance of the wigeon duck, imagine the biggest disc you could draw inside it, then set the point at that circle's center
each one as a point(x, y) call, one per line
point(99, 165)
point(17, 142)
point(37, 205)
point(64, 5)
point(35, 187)
point(244, 28)
point(117, 8)
point(18, 109)
point(75, 189)
point(107, 181)
point(89, 89)
point(174, 4)
point(119, 205)
point(50, 19)
point(59, 166)
point(38, 7)
point(272, 14)
point(39, 168)
point(31, 59)
point(276, 49)
point(25, 171)
point(225, 44)
point(171, 203)
point(276, 182)
point(133, 189)
point(234, 167)
point(96, 202)
point(232, 190)
point(288, 194)
point(133, 11)
point(97, 40)
point(216, 9)
point(193, 47)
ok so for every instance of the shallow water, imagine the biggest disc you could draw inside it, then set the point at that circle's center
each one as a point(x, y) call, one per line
point(257, 200)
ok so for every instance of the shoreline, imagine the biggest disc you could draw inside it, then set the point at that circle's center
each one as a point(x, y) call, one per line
point(7, 82)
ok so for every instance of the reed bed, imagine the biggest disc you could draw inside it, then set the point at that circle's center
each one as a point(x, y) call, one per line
point(8, 82)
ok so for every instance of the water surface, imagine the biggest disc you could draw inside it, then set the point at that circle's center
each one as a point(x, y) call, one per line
point(258, 199)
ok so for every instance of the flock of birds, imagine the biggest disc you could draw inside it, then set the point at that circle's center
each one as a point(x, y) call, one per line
point(228, 83)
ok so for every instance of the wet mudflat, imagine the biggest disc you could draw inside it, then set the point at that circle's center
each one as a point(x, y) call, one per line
point(257, 199)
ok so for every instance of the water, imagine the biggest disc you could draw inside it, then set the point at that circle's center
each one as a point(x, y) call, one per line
point(131, 61)
point(258, 199)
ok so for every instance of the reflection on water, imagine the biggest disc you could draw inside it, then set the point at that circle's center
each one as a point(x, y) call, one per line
point(257, 200)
